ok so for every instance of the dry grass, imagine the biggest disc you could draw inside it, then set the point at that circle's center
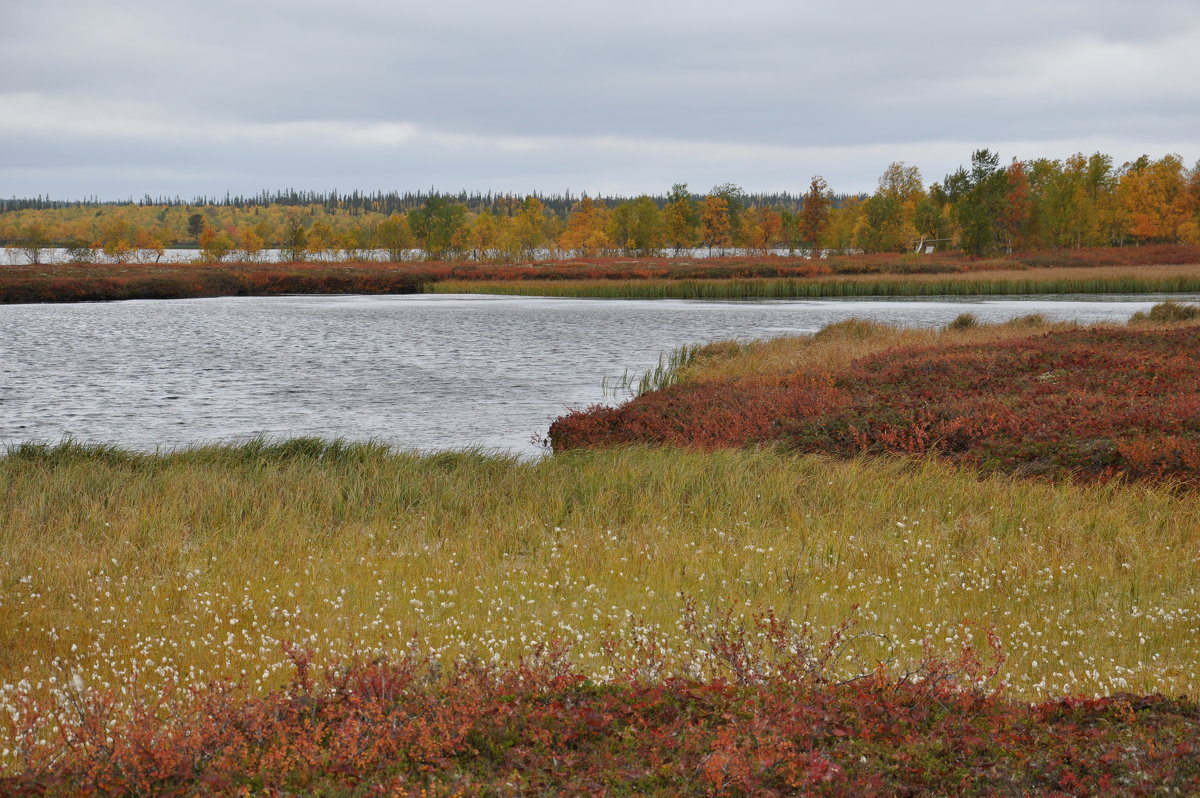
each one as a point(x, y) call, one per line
point(836, 346)
point(1047, 274)
point(129, 570)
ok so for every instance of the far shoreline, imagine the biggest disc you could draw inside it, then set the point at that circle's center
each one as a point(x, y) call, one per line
point(1172, 270)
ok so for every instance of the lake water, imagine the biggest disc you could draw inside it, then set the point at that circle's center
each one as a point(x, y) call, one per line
point(424, 372)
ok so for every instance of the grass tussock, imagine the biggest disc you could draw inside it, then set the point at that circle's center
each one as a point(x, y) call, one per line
point(1169, 312)
point(963, 321)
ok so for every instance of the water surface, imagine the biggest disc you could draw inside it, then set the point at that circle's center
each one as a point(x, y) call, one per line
point(424, 371)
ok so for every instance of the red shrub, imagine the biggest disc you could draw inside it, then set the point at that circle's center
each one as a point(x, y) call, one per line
point(394, 728)
point(707, 416)
point(1080, 402)
point(1089, 403)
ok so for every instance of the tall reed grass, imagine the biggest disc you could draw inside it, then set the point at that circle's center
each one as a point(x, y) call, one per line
point(666, 372)
point(966, 285)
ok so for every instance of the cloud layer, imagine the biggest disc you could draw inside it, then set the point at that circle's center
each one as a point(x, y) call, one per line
point(625, 96)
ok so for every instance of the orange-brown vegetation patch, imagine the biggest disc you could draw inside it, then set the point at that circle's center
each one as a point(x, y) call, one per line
point(1091, 403)
point(385, 727)
point(96, 282)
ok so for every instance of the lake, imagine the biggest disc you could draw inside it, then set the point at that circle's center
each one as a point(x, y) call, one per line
point(422, 372)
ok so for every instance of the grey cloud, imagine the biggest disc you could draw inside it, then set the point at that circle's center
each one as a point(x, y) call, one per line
point(798, 77)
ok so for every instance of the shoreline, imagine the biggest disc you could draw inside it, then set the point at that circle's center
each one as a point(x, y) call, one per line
point(749, 278)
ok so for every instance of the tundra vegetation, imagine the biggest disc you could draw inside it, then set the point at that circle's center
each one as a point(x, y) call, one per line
point(1133, 270)
point(1090, 403)
point(1039, 204)
point(913, 594)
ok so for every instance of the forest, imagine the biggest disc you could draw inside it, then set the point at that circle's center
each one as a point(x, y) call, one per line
point(981, 209)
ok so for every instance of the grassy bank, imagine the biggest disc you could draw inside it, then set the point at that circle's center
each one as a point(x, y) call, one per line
point(1102, 403)
point(1103, 280)
point(1132, 270)
point(198, 564)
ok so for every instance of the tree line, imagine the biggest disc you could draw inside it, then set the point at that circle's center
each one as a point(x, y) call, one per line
point(981, 208)
point(360, 203)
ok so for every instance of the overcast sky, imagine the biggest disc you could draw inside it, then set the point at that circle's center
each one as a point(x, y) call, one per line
point(123, 98)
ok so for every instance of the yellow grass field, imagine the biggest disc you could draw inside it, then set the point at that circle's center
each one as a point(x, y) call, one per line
point(198, 565)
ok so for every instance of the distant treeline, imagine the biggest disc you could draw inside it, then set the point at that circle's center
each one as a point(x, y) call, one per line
point(1082, 201)
point(386, 202)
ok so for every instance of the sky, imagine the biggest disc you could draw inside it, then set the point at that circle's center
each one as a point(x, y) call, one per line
point(126, 98)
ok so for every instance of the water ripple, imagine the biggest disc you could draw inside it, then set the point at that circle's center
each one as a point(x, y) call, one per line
point(425, 372)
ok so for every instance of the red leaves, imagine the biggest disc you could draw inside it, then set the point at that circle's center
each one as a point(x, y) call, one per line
point(1090, 403)
point(180, 281)
point(391, 726)
point(1086, 403)
point(706, 416)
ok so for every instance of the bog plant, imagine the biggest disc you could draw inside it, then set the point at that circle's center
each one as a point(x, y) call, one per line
point(963, 321)
point(402, 726)
point(1102, 404)
point(1167, 312)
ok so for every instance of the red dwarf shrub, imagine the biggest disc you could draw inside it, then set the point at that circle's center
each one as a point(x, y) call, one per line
point(537, 728)
point(1095, 404)
point(707, 416)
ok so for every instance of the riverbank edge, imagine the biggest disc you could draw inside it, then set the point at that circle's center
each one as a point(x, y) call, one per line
point(872, 395)
point(193, 282)
point(66, 284)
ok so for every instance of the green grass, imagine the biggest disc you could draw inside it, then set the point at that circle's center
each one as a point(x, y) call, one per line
point(1167, 312)
point(814, 288)
point(666, 372)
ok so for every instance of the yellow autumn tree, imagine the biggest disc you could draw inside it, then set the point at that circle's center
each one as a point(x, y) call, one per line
point(679, 218)
point(215, 245)
point(844, 225)
point(482, 236)
point(250, 244)
point(586, 232)
point(148, 245)
point(529, 227)
point(394, 237)
point(1157, 198)
point(716, 231)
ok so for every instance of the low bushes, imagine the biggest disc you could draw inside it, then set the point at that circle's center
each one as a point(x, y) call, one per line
point(1096, 404)
point(95, 284)
point(708, 416)
point(1090, 403)
point(403, 727)
point(1112, 270)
